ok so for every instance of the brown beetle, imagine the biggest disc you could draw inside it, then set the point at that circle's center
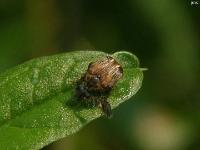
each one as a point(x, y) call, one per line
point(95, 85)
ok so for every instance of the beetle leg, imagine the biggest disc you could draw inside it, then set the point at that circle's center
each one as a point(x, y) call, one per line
point(91, 101)
point(106, 108)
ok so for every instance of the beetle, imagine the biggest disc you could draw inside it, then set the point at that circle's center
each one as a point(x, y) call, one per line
point(96, 84)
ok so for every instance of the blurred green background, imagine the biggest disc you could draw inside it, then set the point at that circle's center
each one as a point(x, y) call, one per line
point(165, 35)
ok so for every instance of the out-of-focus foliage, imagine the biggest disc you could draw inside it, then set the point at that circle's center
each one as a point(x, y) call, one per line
point(163, 34)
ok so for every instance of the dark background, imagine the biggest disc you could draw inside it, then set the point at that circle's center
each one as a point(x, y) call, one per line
point(165, 35)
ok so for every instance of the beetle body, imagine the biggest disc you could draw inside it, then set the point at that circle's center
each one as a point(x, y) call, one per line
point(95, 85)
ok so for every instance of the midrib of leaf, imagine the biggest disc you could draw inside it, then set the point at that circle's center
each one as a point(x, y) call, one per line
point(27, 69)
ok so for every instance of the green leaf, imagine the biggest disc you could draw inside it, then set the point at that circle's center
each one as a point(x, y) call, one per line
point(34, 96)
